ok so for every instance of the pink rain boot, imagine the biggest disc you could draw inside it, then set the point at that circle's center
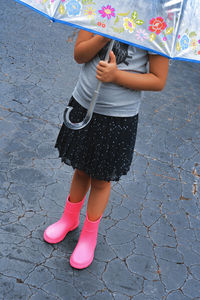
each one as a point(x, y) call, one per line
point(56, 232)
point(83, 254)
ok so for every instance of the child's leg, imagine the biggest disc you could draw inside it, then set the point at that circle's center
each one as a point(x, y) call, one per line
point(98, 198)
point(80, 186)
point(83, 254)
point(70, 218)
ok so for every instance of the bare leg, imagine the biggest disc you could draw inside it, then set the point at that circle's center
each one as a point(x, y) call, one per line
point(83, 254)
point(98, 199)
point(70, 218)
point(80, 186)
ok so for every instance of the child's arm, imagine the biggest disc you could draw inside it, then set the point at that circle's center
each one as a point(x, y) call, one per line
point(153, 81)
point(87, 46)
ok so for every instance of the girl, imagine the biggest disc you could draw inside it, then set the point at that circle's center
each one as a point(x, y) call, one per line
point(102, 151)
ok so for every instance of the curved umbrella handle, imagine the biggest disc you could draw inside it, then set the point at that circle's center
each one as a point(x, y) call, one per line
point(88, 117)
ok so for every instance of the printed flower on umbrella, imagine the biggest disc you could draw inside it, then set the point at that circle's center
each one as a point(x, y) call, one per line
point(107, 12)
point(41, 1)
point(73, 8)
point(129, 25)
point(194, 44)
point(184, 42)
point(141, 35)
point(157, 25)
point(90, 12)
point(170, 15)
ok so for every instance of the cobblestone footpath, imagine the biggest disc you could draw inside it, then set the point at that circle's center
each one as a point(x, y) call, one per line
point(149, 238)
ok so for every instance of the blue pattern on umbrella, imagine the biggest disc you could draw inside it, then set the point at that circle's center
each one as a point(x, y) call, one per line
point(73, 8)
point(184, 42)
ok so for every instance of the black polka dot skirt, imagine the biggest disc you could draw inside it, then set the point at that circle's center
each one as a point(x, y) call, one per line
point(103, 149)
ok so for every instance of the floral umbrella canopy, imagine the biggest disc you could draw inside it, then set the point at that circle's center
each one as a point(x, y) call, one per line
point(168, 27)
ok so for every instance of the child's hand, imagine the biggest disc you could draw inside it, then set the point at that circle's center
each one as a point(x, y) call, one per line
point(106, 71)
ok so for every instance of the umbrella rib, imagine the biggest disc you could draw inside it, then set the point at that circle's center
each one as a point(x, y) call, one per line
point(55, 12)
point(177, 30)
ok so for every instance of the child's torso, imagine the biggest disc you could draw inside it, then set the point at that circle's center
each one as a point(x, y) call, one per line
point(113, 100)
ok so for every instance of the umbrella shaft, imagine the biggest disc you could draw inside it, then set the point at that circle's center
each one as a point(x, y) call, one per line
point(96, 93)
point(88, 117)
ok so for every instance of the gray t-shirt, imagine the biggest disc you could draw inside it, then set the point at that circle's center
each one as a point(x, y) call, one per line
point(113, 100)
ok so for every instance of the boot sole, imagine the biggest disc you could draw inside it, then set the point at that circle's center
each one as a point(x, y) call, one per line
point(82, 266)
point(55, 241)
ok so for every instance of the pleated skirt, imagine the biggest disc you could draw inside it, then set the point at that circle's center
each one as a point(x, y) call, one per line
point(103, 149)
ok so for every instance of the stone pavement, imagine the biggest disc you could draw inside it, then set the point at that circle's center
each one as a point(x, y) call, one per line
point(149, 240)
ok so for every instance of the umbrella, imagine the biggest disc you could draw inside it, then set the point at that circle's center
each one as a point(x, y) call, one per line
point(167, 27)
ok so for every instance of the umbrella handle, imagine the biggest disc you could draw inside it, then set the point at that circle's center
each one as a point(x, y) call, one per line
point(88, 117)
